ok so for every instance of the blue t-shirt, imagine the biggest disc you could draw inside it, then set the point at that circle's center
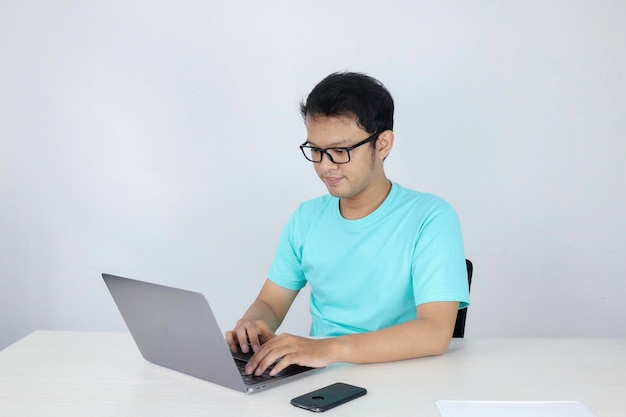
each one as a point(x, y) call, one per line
point(371, 273)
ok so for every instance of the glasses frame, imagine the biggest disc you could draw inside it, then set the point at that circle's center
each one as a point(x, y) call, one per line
point(324, 151)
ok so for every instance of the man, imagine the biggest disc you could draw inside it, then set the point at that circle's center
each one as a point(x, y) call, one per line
point(385, 264)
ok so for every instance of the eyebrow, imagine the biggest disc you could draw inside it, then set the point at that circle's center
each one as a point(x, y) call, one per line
point(342, 143)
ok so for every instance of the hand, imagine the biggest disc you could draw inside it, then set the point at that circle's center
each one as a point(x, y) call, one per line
point(249, 334)
point(288, 350)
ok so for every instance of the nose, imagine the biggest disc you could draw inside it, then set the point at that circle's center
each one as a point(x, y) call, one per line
point(326, 162)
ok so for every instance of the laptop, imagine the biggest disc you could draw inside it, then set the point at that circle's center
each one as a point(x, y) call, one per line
point(176, 329)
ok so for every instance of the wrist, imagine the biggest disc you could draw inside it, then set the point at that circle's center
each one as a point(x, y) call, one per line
point(339, 349)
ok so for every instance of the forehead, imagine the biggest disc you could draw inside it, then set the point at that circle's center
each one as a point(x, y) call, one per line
point(327, 131)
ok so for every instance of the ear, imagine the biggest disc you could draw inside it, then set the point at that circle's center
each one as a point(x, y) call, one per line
point(384, 143)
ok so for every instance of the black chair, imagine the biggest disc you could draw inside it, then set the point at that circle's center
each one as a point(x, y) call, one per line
point(459, 327)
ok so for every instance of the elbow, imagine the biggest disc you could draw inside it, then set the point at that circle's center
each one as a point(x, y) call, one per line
point(438, 345)
point(443, 343)
point(441, 347)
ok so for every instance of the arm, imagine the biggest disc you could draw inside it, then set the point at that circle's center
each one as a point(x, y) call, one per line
point(262, 319)
point(428, 335)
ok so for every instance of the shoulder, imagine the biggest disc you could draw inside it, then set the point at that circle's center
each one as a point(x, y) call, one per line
point(420, 202)
point(316, 205)
point(313, 211)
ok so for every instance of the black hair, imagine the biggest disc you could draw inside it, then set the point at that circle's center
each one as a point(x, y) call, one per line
point(351, 94)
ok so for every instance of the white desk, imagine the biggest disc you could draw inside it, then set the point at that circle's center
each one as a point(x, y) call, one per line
point(52, 373)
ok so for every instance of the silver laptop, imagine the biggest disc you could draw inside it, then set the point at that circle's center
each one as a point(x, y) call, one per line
point(176, 329)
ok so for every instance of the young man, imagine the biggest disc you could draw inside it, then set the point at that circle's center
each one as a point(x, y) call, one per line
point(385, 264)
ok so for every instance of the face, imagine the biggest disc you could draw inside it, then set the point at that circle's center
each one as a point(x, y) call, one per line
point(345, 181)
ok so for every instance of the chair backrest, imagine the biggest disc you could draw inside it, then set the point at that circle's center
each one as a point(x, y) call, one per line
point(459, 327)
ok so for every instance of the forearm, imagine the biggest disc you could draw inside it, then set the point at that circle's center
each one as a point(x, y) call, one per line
point(427, 335)
point(259, 310)
point(417, 338)
point(270, 306)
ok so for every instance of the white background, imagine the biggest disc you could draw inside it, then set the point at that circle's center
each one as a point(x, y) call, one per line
point(158, 140)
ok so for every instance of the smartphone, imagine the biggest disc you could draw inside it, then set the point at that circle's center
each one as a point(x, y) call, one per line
point(328, 397)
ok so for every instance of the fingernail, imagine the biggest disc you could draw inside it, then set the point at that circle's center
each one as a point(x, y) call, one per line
point(249, 370)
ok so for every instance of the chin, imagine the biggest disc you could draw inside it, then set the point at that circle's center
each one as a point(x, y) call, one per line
point(332, 191)
point(335, 192)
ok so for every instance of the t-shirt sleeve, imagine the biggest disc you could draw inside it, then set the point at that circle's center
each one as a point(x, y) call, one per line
point(439, 269)
point(286, 268)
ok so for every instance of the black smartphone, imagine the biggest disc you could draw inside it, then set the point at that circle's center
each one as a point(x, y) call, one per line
point(328, 397)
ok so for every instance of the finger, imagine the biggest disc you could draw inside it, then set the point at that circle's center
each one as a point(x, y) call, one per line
point(231, 340)
point(259, 362)
point(266, 336)
point(253, 339)
point(252, 367)
point(242, 340)
point(268, 356)
point(282, 364)
point(259, 334)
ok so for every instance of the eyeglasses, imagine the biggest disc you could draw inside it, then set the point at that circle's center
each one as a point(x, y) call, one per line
point(335, 155)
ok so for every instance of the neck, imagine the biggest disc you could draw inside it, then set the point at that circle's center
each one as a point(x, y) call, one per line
point(366, 202)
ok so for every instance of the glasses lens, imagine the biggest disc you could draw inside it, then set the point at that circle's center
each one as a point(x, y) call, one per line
point(311, 154)
point(337, 156)
point(340, 156)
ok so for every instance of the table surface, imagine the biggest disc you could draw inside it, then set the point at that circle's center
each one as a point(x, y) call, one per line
point(57, 373)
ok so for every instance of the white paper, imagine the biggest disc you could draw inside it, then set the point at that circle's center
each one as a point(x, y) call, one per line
point(513, 409)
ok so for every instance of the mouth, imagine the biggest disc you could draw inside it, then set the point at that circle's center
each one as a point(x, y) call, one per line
point(332, 181)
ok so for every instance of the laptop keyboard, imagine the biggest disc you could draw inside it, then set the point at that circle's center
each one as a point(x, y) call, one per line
point(251, 379)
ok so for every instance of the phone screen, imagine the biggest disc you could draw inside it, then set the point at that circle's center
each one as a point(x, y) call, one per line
point(328, 397)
